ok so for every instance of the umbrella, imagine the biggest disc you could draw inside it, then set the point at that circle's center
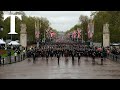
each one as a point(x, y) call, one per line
point(99, 49)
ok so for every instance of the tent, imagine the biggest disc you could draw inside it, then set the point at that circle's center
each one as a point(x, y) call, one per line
point(2, 42)
point(13, 43)
point(115, 44)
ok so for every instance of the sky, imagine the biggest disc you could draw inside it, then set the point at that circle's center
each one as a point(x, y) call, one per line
point(60, 20)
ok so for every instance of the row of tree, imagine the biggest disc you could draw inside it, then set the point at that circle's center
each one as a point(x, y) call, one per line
point(100, 18)
point(30, 23)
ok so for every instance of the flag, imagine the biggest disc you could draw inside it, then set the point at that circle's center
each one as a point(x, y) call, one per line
point(74, 34)
point(37, 33)
point(48, 32)
point(88, 31)
point(51, 34)
point(78, 33)
point(91, 29)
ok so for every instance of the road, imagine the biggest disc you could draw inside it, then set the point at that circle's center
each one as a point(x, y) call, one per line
point(65, 70)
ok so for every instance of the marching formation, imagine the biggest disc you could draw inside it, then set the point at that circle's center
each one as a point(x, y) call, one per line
point(49, 51)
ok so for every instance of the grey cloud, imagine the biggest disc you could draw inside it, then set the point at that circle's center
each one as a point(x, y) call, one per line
point(60, 20)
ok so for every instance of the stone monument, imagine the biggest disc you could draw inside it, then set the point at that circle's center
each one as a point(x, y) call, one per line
point(106, 35)
point(23, 35)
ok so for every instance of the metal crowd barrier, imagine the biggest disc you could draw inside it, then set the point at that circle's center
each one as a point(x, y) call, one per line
point(114, 57)
point(13, 59)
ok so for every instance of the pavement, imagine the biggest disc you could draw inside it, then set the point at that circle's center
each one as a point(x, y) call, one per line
point(65, 70)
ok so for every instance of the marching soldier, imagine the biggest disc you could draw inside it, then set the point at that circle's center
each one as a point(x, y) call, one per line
point(47, 56)
point(58, 56)
point(79, 55)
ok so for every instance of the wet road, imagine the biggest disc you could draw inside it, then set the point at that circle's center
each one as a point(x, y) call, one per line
point(65, 70)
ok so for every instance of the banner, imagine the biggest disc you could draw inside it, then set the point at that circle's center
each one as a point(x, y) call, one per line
point(51, 34)
point(90, 30)
point(79, 33)
point(37, 32)
point(74, 34)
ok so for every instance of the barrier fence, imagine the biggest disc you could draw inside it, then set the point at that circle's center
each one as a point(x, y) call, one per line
point(13, 59)
point(114, 57)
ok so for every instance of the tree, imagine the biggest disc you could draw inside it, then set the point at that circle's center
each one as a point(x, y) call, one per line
point(84, 25)
point(1, 16)
point(113, 18)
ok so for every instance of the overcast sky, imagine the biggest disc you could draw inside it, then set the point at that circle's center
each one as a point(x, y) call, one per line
point(60, 20)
